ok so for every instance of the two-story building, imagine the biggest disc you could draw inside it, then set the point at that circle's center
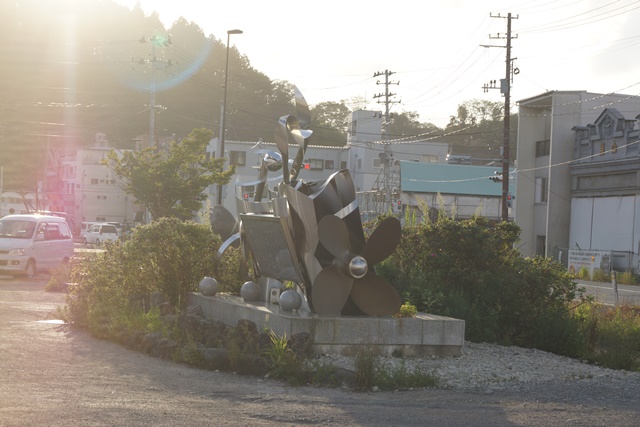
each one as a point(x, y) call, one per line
point(546, 150)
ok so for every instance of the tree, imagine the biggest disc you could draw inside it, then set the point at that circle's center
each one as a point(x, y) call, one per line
point(171, 182)
point(407, 124)
point(329, 123)
point(478, 130)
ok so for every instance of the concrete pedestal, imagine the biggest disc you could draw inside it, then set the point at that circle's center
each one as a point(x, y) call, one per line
point(423, 335)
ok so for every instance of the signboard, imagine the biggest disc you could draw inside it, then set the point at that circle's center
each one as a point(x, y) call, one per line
point(272, 247)
point(591, 260)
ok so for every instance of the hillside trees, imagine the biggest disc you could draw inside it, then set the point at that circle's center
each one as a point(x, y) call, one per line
point(78, 68)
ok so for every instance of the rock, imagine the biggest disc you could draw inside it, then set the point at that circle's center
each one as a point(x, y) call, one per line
point(215, 358)
point(300, 343)
point(156, 298)
point(150, 340)
point(247, 328)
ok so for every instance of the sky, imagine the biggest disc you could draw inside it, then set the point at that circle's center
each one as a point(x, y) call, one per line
point(437, 50)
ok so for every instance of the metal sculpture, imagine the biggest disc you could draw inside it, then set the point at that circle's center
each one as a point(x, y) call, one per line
point(310, 233)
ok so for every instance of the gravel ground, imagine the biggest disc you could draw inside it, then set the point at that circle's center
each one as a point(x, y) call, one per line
point(490, 367)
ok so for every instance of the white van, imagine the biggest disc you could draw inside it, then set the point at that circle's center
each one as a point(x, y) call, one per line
point(100, 232)
point(85, 226)
point(32, 243)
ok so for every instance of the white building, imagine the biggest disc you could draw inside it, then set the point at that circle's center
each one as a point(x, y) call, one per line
point(364, 156)
point(87, 190)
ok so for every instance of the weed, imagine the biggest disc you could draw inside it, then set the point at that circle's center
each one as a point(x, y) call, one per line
point(284, 363)
point(584, 273)
point(627, 278)
point(406, 310)
point(321, 373)
point(59, 278)
point(400, 377)
point(367, 367)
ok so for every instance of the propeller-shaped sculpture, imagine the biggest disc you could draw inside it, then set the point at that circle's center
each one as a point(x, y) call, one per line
point(351, 274)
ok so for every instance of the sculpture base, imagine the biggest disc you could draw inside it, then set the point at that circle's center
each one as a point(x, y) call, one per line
point(423, 335)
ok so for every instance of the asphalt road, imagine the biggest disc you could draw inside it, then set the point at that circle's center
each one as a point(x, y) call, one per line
point(54, 375)
point(604, 292)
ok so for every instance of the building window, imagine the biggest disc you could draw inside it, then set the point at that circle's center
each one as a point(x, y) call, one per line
point(377, 163)
point(343, 164)
point(315, 164)
point(101, 197)
point(94, 181)
point(543, 148)
point(359, 164)
point(541, 245)
point(426, 158)
point(353, 126)
point(237, 158)
point(541, 190)
point(328, 164)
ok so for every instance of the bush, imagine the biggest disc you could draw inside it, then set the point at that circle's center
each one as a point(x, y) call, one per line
point(612, 335)
point(600, 276)
point(584, 273)
point(172, 256)
point(112, 287)
point(470, 270)
point(627, 278)
point(59, 278)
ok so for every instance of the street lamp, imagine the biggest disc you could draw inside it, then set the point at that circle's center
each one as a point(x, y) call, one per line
point(224, 109)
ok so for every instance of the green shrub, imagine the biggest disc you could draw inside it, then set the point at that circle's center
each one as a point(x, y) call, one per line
point(399, 377)
point(584, 273)
point(627, 278)
point(283, 361)
point(406, 310)
point(59, 278)
point(231, 271)
point(113, 287)
point(367, 367)
point(600, 276)
point(471, 270)
point(172, 256)
point(612, 335)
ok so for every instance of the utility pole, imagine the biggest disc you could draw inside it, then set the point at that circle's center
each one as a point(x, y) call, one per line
point(386, 158)
point(156, 64)
point(505, 88)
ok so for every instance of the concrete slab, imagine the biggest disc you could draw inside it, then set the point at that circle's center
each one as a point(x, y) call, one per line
point(424, 335)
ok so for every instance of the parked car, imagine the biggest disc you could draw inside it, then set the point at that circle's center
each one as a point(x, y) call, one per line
point(31, 243)
point(85, 226)
point(99, 233)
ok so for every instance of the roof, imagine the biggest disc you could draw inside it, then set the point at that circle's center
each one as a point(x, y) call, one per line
point(449, 179)
point(34, 217)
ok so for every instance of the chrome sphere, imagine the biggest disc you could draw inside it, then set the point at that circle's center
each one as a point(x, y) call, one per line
point(250, 291)
point(272, 160)
point(290, 300)
point(358, 267)
point(208, 286)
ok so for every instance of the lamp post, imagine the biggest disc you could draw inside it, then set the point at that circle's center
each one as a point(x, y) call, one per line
point(224, 110)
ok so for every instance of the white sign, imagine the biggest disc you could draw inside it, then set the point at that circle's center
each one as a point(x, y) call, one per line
point(592, 260)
